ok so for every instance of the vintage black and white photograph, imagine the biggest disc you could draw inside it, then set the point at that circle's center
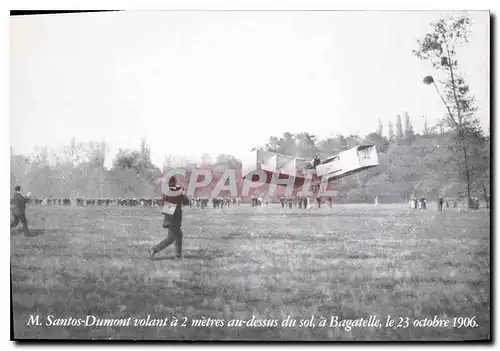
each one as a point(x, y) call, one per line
point(259, 175)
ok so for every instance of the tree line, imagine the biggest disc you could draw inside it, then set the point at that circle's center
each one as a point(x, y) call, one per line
point(426, 164)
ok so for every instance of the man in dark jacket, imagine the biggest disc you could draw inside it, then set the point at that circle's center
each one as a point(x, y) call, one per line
point(172, 210)
point(440, 203)
point(18, 210)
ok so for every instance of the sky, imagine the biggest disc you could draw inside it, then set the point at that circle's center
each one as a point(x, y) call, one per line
point(194, 82)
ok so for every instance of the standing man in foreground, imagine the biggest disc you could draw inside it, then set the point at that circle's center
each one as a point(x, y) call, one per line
point(172, 210)
point(18, 210)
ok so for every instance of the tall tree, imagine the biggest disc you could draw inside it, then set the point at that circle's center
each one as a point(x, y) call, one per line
point(40, 156)
point(399, 128)
point(352, 141)
point(273, 144)
point(96, 153)
point(286, 144)
point(145, 152)
point(379, 141)
point(440, 127)
point(380, 128)
point(306, 145)
point(228, 161)
point(439, 48)
point(167, 163)
point(426, 130)
point(390, 131)
point(479, 149)
point(206, 159)
point(127, 159)
point(73, 152)
point(409, 133)
point(289, 145)
point(329, 147)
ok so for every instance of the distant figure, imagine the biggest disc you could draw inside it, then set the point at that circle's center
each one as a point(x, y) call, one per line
point(282, 201)
point(423, 203)
point(447, 203)
point(172, 220)
point(306, 202)
point(315, 189)
point(376, 200)
point(300, 202)
point(415, 204)
point(330, 201)
point(440, 204)
point(18, 210)
point(318, 201)
point(317, 161)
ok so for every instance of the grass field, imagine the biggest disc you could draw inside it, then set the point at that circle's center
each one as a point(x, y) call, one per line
point(350, 261)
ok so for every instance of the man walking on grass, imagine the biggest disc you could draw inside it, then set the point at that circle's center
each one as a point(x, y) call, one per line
point(172, 210)
point(18, 211)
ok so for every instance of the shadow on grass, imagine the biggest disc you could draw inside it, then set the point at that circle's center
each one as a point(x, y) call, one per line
point(37, 232)
point(164, 258)
point(194, 255)
point(207, 255)
point(32, 233)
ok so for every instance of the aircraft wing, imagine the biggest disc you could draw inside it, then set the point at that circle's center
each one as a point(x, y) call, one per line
point(274, 162)
point(348, 162)
point(343, 164)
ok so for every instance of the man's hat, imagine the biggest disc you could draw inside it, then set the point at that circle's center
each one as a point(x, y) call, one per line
point(17, 188)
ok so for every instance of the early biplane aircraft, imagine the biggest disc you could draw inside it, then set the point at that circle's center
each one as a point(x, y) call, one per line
point(289, 170)
point(279, 166)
